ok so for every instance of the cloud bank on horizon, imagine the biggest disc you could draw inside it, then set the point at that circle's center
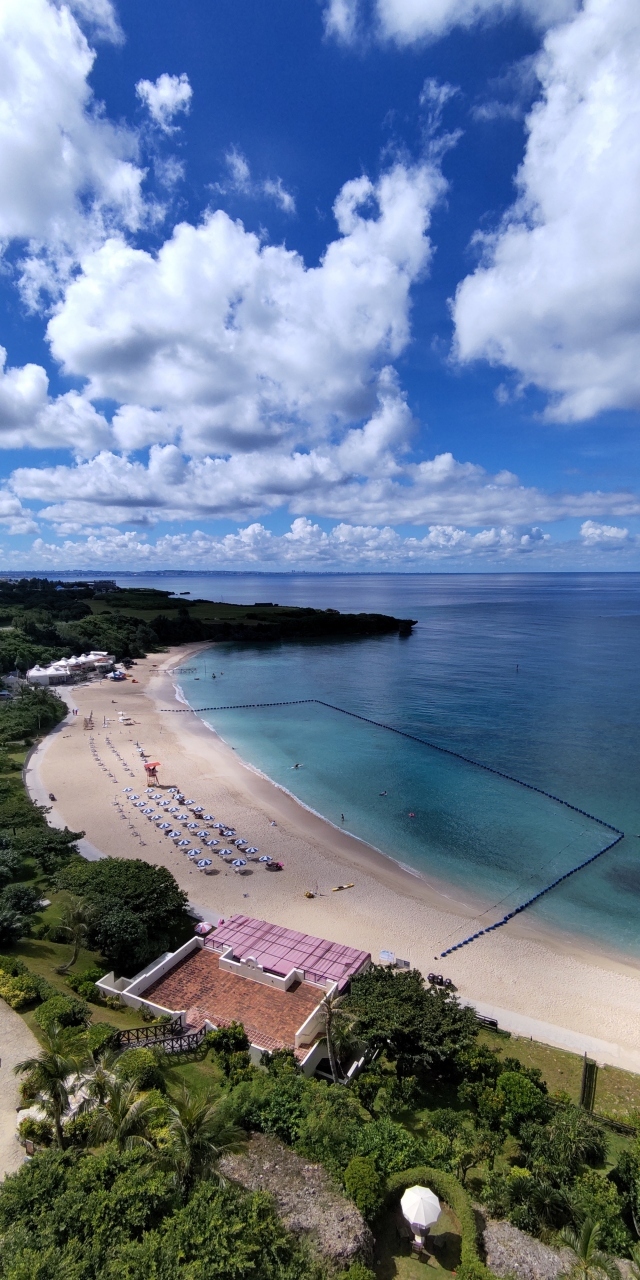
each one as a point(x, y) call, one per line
point(195, 377)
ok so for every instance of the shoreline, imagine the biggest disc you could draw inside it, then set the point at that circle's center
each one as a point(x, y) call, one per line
point(573, 998)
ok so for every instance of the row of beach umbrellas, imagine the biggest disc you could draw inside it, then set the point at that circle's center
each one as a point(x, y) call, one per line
point(169, 810)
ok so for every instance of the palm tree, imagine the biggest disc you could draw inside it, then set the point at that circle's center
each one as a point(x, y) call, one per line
point(75, 921)
point(52, 1070)
point(589, 1261)
point(200, 1131)
point(124, 1116)
point(96, 1083)
point(337, 1024)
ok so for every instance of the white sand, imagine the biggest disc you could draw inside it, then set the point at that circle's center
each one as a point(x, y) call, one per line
point(538, 985)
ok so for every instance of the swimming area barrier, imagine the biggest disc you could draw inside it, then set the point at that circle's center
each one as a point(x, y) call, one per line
point(478, 764)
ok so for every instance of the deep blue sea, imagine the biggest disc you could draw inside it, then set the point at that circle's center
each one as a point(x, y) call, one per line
point(534, 674)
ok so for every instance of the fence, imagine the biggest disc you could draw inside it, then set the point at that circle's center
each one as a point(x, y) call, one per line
point(171, 1037)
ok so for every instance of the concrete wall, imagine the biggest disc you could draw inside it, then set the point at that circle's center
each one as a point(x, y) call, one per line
point(149, 976)
point(255, 973)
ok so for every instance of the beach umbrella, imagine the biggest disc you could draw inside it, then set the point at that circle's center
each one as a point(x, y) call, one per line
point(251, 850)
point(183, 844)
point(203, 928)
point(188, 803)
point(226, 853)
point(420, 1208)
point(147, 812)
point(173, 835)
point(193, 853)
point(208, 817)
point(204, 862)
point(132, 797)
point(239, 862)
point(265, 858)
point(202, 835)
point(165, 826)
point(193, 826)
point(126, 789)
point(211, 843)
point(198, 809)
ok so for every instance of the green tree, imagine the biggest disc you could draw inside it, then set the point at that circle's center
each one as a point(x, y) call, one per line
point(51, 1071)
point(590, 1262)
point(338, 1021)
point(365, 1185)
point(123, 1116)
point(200, 1131)
point(422, 1029)
point(75, 920)
point(12, 925)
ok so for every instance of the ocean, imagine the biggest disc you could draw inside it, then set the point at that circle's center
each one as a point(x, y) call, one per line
point(534, 675)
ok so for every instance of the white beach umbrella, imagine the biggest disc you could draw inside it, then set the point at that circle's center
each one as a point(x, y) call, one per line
point(251, 849)
point(265, 858)
point(208, 817)
point(204, 862)
point(421, 1208)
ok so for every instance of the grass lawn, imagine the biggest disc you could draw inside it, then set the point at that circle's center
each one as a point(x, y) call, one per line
point(394, 1257)
point(617, 1093)
point(199, 1074)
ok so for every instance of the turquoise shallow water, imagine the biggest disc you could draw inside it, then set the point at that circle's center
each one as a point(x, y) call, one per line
point(533, 674)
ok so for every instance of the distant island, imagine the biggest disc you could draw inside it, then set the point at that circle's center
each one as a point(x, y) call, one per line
point(43, 619)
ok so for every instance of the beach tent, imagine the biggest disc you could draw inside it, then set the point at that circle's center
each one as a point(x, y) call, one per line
point(421, 1208)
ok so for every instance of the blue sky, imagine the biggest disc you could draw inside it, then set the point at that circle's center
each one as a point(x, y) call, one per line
point(320, 284)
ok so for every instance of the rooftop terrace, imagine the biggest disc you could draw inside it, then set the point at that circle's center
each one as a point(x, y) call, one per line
point(270, 1017)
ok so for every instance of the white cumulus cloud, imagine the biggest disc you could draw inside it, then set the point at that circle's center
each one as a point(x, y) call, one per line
point(414, 21)
point(557, 297)
point(607, 537)
point(66, 172)
point(239, 342)
point(165, 98)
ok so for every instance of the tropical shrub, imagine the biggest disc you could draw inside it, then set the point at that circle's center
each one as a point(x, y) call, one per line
point(100, 1036)
point(597, 1198)
point(365, 1185)
point(114, 1216)
point(141, 1067)
point(66, 1011)
point(38, 1131)
point(19, 991)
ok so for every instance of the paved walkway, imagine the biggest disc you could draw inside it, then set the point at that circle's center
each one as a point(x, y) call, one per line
point(16, 1043)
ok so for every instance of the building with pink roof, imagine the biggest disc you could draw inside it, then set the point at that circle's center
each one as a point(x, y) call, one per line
point(271, 979)
point(278, 950)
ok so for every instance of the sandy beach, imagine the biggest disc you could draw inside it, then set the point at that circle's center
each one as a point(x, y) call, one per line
point(544, 986)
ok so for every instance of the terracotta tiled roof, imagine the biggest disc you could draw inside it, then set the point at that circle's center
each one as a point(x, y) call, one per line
point(270, 1017)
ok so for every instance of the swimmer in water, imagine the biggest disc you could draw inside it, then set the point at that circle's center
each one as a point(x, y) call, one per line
point(382, 793)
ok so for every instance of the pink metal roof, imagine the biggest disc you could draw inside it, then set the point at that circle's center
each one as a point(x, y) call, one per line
point(281, 950)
